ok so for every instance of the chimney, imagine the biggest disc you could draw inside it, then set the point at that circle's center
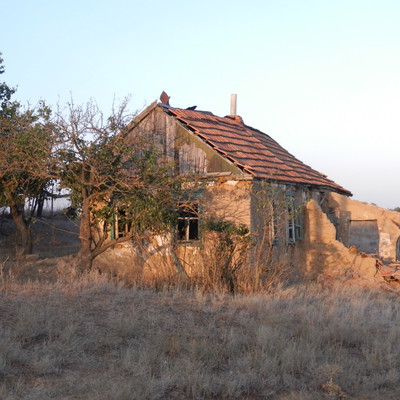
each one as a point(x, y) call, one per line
point(233, 104)
point(233, 114)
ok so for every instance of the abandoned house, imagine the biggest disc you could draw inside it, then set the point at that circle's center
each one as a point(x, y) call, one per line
point(305, 220)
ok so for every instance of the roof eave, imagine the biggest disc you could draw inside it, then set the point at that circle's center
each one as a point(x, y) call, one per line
point(320, 188)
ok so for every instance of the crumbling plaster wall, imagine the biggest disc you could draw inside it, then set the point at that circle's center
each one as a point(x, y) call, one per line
point(320, 254)
point(152, 258)
point(388, 222)
point(224, 198)
point(229, 199)
point(161, 257)
point(269, 212)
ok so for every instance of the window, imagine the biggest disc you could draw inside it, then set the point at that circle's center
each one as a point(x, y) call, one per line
point(294, 226)
point(188, 223)
point(269, 227)
point(274, 232)
point(121, 226)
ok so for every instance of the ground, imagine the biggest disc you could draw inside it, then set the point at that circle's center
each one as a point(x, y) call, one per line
point(88, 336)
point(55, 241)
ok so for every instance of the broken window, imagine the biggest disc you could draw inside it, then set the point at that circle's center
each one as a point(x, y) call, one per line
point(188, 223)
point(294, 228)
point(121, 223)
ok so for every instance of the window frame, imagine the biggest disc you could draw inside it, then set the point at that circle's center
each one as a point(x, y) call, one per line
point(119, 228)
point(294, 224)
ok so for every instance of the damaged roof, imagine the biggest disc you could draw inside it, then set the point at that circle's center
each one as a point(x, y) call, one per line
point(250, 149)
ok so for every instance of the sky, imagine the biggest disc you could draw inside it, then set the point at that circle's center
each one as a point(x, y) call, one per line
point(320, 77)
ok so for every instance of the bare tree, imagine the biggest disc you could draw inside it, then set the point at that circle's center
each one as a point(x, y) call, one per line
point(112, 177)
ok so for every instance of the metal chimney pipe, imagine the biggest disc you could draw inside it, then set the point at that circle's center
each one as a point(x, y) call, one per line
point(233, 104)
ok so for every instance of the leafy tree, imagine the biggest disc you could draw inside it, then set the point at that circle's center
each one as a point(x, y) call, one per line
point(7, 107)
point(113, 176)
point(25, 156)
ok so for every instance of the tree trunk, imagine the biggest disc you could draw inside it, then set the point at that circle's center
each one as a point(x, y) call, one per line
point(89, 250)
point(40, 204)
point(23, 228)
point(85, 256)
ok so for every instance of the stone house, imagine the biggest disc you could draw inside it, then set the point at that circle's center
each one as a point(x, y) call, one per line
point(250, 180)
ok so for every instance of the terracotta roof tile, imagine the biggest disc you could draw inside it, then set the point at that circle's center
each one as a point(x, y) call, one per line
point(251, 149)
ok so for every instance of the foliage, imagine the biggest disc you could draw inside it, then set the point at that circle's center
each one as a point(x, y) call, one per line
point(239, 261)
point(278, 213)
point(7, 106)
point(225, 226)
point(26, 150)
point(226, 253)
point(92, 155)
point(26, 158)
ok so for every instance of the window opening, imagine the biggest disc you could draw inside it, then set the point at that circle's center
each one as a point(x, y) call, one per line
point(290, 224)
point(273, 224)
point(188, 223)
point(295, 220)
point(121, 225)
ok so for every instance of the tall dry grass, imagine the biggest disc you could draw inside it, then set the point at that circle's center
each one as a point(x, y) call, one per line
point(89, 338)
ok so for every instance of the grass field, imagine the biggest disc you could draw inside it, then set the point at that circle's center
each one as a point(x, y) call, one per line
point(90, 338)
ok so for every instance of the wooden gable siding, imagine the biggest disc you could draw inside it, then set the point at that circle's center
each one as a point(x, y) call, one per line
point(177, 143)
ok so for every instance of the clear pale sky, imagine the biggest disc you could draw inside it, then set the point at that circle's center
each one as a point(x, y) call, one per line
point(321, 77)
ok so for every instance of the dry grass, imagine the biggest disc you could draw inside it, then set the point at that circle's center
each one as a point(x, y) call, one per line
point(90, 338)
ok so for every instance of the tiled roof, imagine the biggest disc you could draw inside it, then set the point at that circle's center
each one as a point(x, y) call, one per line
point(250, 149)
